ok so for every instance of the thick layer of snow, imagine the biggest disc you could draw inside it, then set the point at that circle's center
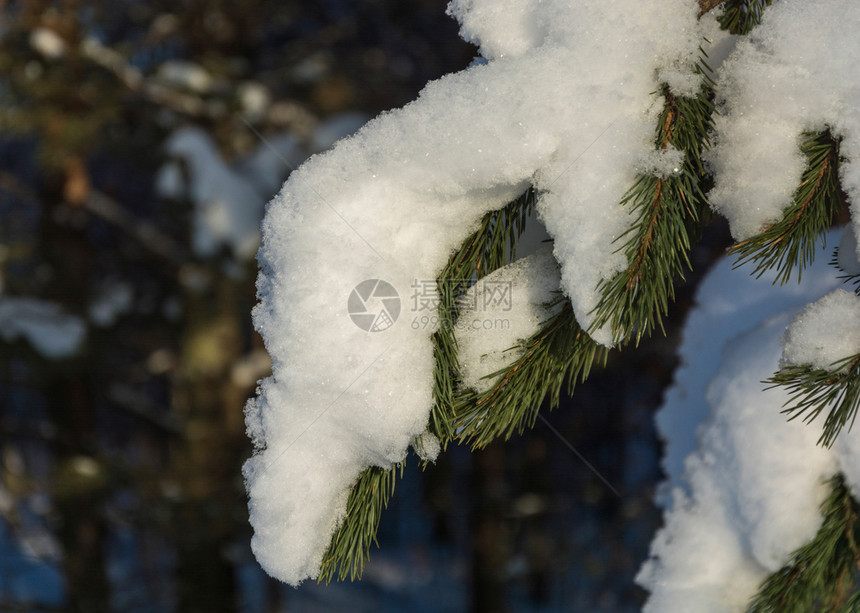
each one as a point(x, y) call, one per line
point(826, 331)
point(749, 490)
point(729, 303)
point(744, 484)
point(229, 199)
point(569, 106)
point(502, 309)
point(794, 73)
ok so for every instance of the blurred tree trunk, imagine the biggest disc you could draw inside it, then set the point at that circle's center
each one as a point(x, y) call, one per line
point(78, 480)
point(78, 488)
point(206, 459)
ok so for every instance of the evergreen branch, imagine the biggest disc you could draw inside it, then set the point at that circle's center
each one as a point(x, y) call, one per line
point(792, 241)
point(350, 545)
point(560, 351)
point(852, 605)
point(741, 16)
point(669, 211)
point(490, 247)
point(657, 248)
point(823, 573)
point(815, 389)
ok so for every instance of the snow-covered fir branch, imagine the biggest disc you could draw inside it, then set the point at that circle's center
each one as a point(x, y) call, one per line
point(565, 103)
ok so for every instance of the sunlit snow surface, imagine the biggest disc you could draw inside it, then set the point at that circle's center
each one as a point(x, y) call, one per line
point(795, 73)
point(566, 103)
point(744, 484)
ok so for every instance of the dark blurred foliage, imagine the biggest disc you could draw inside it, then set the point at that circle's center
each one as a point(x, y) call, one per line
point(120, 473)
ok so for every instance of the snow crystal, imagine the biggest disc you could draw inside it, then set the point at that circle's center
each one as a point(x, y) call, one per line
point(827, 330)
point(568, 106)
point(499, 311)
point(782, 80)
point(427, 446)
point(662, 162)
point(46, 326)
point(750, 489)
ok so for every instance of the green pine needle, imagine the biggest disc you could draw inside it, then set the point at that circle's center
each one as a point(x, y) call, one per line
point(670, 211)
point(822, 575)
point(560, 351)
point(489, 248)
point(791, 243)
point(350, 545)
point(814, 390)
point(741, 16)
point(852, 605)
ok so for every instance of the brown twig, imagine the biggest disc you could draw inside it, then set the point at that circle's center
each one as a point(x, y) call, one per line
point(654, 210)
point(645, 244)
point(708, 5)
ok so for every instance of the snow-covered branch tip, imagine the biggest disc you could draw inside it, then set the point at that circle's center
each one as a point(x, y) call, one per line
point(822, 575)
point(820, 366)
point(555, 358)
point(816, 390)
point(670, 208)
point(348, 397)
point(789, 244)
point(364, 211)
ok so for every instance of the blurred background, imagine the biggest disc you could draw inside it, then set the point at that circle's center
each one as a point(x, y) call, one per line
point(139, 143)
